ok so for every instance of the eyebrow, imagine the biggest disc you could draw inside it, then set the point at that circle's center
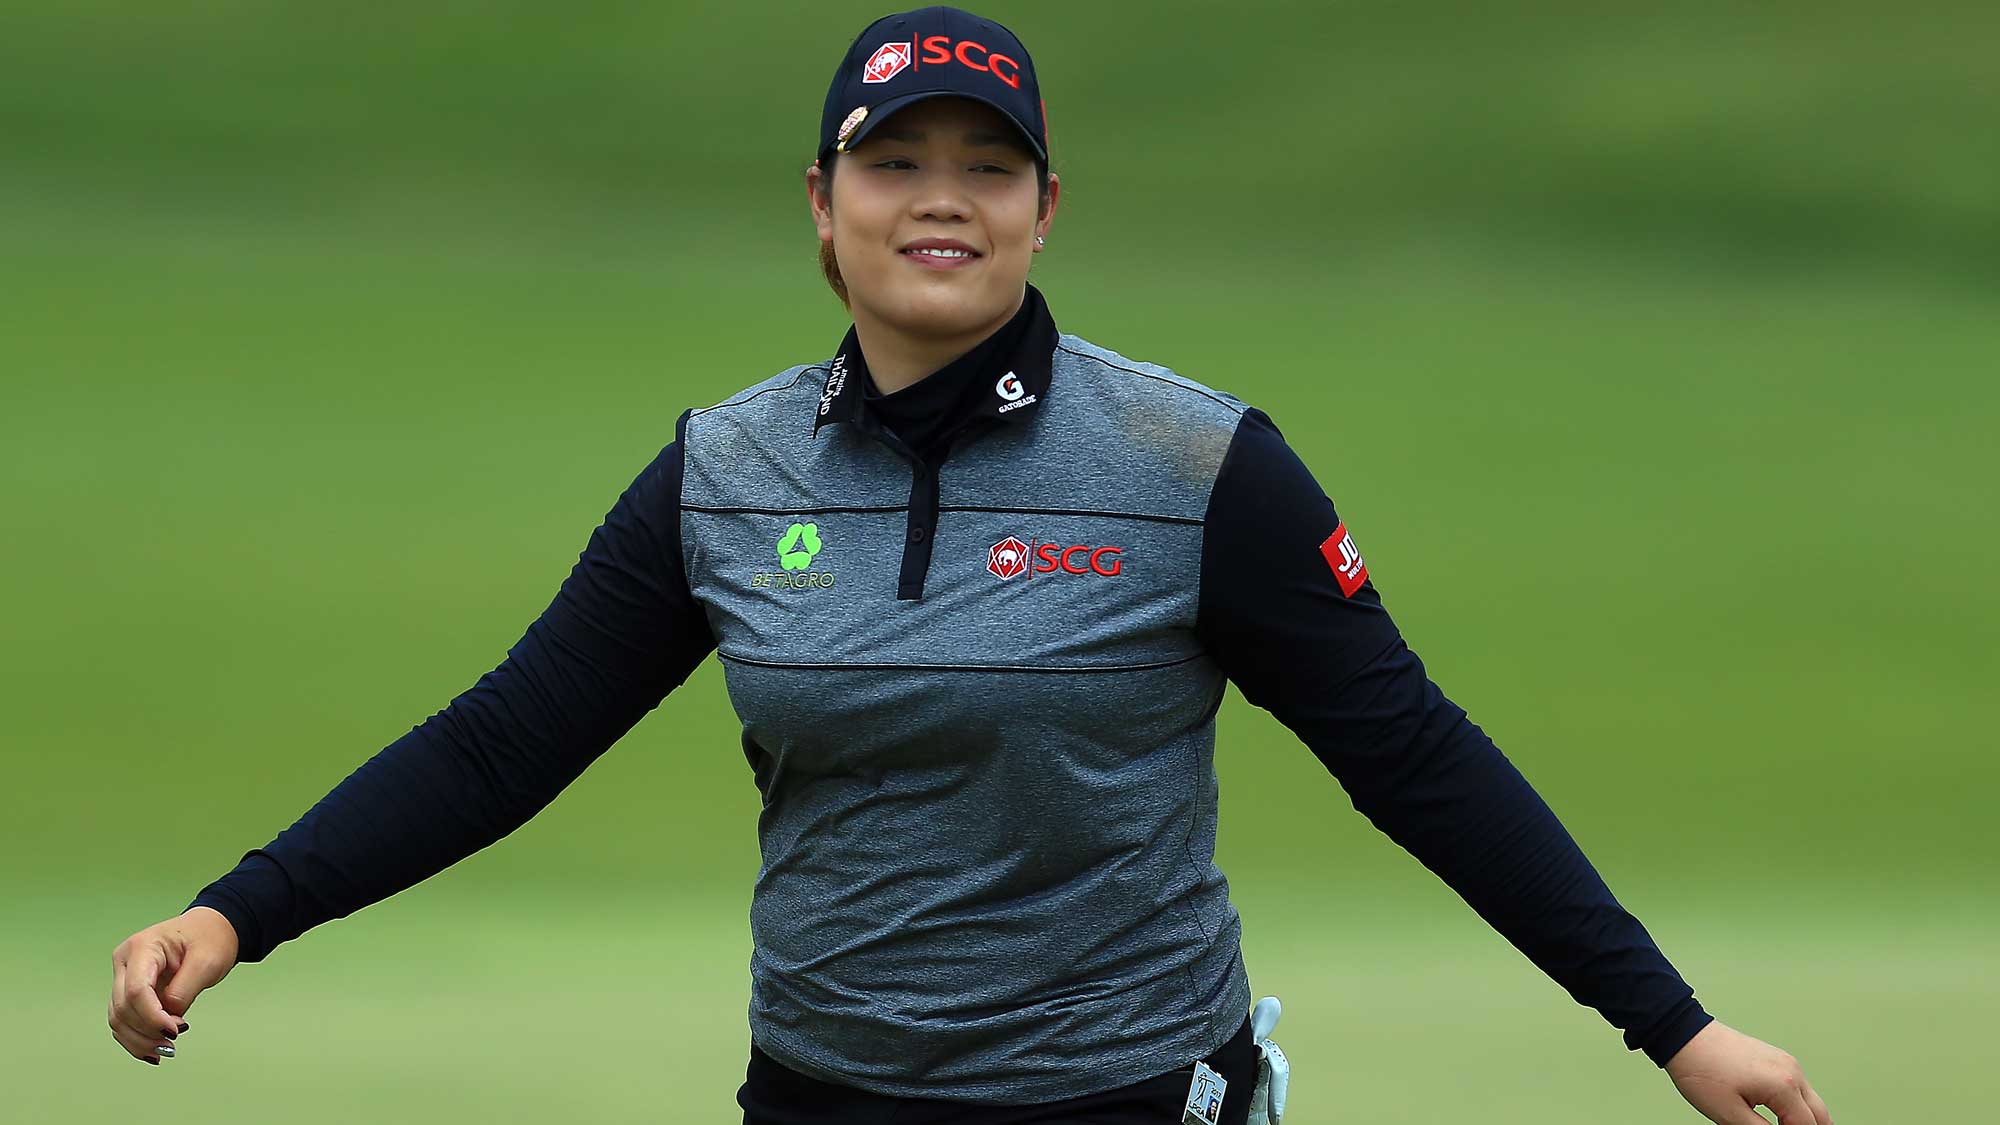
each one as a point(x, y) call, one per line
point(913, 136)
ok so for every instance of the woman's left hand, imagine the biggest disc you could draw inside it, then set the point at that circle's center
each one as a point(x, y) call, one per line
point(1724, 1073)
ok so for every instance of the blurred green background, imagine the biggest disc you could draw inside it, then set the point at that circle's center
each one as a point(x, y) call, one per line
point(1648, 350)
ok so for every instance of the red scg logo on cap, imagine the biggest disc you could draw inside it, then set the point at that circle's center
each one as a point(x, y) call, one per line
point(939, 49)
point(889, 60)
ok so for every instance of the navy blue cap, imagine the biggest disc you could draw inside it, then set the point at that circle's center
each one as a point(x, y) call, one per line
point(930, 53)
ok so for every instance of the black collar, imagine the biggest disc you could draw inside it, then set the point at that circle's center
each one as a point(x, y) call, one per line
point(1016, 382)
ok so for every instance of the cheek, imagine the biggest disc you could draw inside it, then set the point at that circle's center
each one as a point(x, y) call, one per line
point(1023, 209)
point(861, 223)
point(850, 242)
point(1013, 222)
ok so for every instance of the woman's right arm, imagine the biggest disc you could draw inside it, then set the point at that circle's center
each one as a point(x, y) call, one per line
point(622, 632)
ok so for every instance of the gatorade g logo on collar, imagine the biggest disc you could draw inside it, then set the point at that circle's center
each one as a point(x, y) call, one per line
point(796, 550)
point(891, 59)
point(1010, 390)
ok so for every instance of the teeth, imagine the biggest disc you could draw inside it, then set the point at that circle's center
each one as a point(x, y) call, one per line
point(941, 253)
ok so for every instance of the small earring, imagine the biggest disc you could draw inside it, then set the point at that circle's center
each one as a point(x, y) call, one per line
point(1038, 240)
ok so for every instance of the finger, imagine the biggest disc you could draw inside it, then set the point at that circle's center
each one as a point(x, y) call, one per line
point(139, 1005)
point(145, 1028)
point(139, 1046)
point(140, 1008)
point(195, 973)
point(117, 981)
point(136, 1039)
point(1791, 1108)
point(127, 1040)
point(1821, 1114)
point(118, 1013)
point(141, 1043)
point(1731, 1110)
point(121, 969)
point(121, 1013)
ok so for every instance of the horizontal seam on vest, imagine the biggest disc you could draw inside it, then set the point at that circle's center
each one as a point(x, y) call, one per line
point(708, 509)
point(959, 667)
point(1149, 375)
point(762, 393)
point(1195, 520)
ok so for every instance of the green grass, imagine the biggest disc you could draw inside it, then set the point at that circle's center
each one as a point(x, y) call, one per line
point(1650, 358)
point(482, 999)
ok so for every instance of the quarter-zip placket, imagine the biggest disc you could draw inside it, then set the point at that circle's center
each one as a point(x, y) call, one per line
point(921, 518)
point(919, 530)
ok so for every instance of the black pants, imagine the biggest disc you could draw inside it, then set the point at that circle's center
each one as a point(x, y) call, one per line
point(775, 1094)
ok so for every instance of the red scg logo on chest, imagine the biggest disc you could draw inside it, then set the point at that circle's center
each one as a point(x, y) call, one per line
point(1010, 558)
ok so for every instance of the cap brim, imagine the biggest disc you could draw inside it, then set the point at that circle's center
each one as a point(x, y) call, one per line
point(881, 113)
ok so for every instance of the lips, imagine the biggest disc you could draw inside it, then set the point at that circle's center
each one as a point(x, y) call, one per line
point(939, 251)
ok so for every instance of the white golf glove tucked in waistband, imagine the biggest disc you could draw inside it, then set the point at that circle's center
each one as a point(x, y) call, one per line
point(1274, 1071)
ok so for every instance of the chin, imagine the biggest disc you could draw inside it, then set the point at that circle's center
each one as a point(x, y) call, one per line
point(946, 309)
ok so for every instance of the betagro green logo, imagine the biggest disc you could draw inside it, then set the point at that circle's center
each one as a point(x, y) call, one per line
point(796, 550)
point(798, 545)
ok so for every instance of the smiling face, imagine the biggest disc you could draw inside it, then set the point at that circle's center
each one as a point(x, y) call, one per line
point(933, 219)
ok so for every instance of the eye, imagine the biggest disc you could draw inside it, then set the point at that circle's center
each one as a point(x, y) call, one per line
point(994, 168)
point(894, 160)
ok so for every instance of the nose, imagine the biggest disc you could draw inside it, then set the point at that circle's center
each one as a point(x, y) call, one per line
point(941, 196)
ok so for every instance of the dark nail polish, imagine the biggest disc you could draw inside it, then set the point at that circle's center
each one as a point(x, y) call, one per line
point(184, 1027)
point(171, 1034)
point(154, 1062)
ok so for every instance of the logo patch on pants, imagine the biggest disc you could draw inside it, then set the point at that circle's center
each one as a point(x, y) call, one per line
point(1204, 1100)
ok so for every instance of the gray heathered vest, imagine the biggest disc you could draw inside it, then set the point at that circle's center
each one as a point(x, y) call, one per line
point(988, 831)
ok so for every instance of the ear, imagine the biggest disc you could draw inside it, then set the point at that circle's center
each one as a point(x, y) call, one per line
point(820, 201)
point(1048, 213)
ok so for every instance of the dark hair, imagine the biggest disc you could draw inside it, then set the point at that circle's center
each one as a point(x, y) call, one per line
point(830, 266)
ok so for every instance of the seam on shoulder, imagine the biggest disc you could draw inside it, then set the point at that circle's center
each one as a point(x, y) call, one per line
point(760, 394)
point(1232, 407)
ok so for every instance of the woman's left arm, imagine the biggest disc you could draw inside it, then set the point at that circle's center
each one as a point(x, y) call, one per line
point(1289, 613)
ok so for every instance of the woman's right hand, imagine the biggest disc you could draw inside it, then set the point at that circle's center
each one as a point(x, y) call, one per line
point(186, 955)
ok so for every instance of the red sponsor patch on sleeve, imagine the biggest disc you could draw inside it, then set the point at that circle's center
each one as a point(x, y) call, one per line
point(1345, 559)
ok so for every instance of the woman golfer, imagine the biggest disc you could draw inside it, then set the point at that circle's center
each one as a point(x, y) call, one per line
point(977, 586)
